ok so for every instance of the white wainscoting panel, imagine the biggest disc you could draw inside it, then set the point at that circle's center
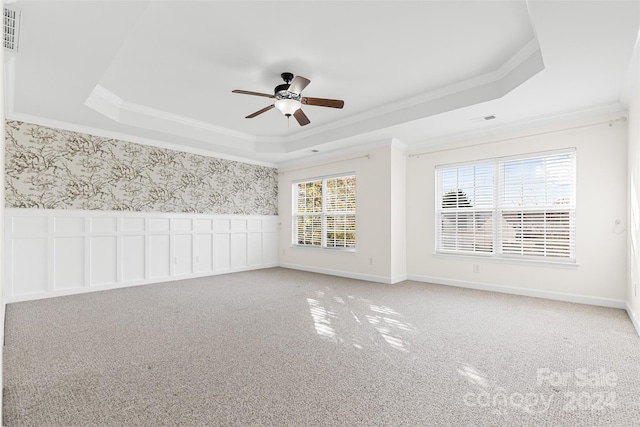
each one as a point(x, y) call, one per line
point(183, 254)
point(254, 248)
point(61, 252)
point(238, 250)
point(133, 258)
point(204, 251)
point(69, 274)
point(29, 265)
point(103, 260)
point(223, 252)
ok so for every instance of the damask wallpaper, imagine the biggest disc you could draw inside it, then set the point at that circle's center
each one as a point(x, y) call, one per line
point(50, 168)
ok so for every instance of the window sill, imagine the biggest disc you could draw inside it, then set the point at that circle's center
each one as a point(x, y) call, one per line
point(323, 249)
point(506, 260)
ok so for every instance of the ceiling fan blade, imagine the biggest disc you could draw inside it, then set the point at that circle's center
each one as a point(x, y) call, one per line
point(298, 84)
point(247, 92)
point(321, 102)
point(301, 117)
point(251, 116)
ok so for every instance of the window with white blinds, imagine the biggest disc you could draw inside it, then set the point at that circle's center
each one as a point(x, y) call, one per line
point(509, 207)
point(324, 212)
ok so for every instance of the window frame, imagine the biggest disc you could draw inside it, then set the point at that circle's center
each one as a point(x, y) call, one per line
point(323, 214)
point(498, 208)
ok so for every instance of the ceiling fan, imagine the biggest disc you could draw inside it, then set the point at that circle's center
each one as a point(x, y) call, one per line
point(289, 99)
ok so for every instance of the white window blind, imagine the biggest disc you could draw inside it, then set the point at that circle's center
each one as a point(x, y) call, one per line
point(510, 207)
point(466, 208)
point(308, 213)
point(325, 212)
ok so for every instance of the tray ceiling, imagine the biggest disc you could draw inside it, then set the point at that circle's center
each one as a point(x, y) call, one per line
point(163, 72)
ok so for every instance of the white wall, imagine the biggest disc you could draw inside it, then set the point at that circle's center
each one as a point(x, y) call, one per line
point(373, 257)
point(633, 293)
point(57, 252)
point(398, 204)
point(601, 200)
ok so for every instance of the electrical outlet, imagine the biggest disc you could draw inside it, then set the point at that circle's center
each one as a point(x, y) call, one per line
point(476, 268)
point(370, 261)
point(283, 252)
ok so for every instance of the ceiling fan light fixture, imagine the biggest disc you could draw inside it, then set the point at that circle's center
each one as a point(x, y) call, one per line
point(287, 106)
point(288, 99)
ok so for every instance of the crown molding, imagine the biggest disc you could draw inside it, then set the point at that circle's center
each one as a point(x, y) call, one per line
point(614, 111)
point(10, 114)
point(529, 51)
point(130, 138)
point(517, 69)
point(340, 153)
point(108, 103)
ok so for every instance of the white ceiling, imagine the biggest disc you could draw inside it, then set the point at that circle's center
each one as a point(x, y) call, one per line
point(162, 72)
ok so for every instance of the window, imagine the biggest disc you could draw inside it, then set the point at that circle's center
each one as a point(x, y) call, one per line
point(324, 212)
point(520, 207)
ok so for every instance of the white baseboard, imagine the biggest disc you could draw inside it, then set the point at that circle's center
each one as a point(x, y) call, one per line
point(536, 293)
point(634, 319)
point(398, 279)
point(65, 292)
point(339, 273)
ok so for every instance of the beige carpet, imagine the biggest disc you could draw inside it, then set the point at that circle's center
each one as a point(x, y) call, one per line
point(279, 347)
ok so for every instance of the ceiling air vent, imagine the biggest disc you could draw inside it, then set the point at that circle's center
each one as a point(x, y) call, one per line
point(484, 118)
point(11, 28)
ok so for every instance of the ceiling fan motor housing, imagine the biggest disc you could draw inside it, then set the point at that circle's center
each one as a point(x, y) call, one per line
point(282, 91)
